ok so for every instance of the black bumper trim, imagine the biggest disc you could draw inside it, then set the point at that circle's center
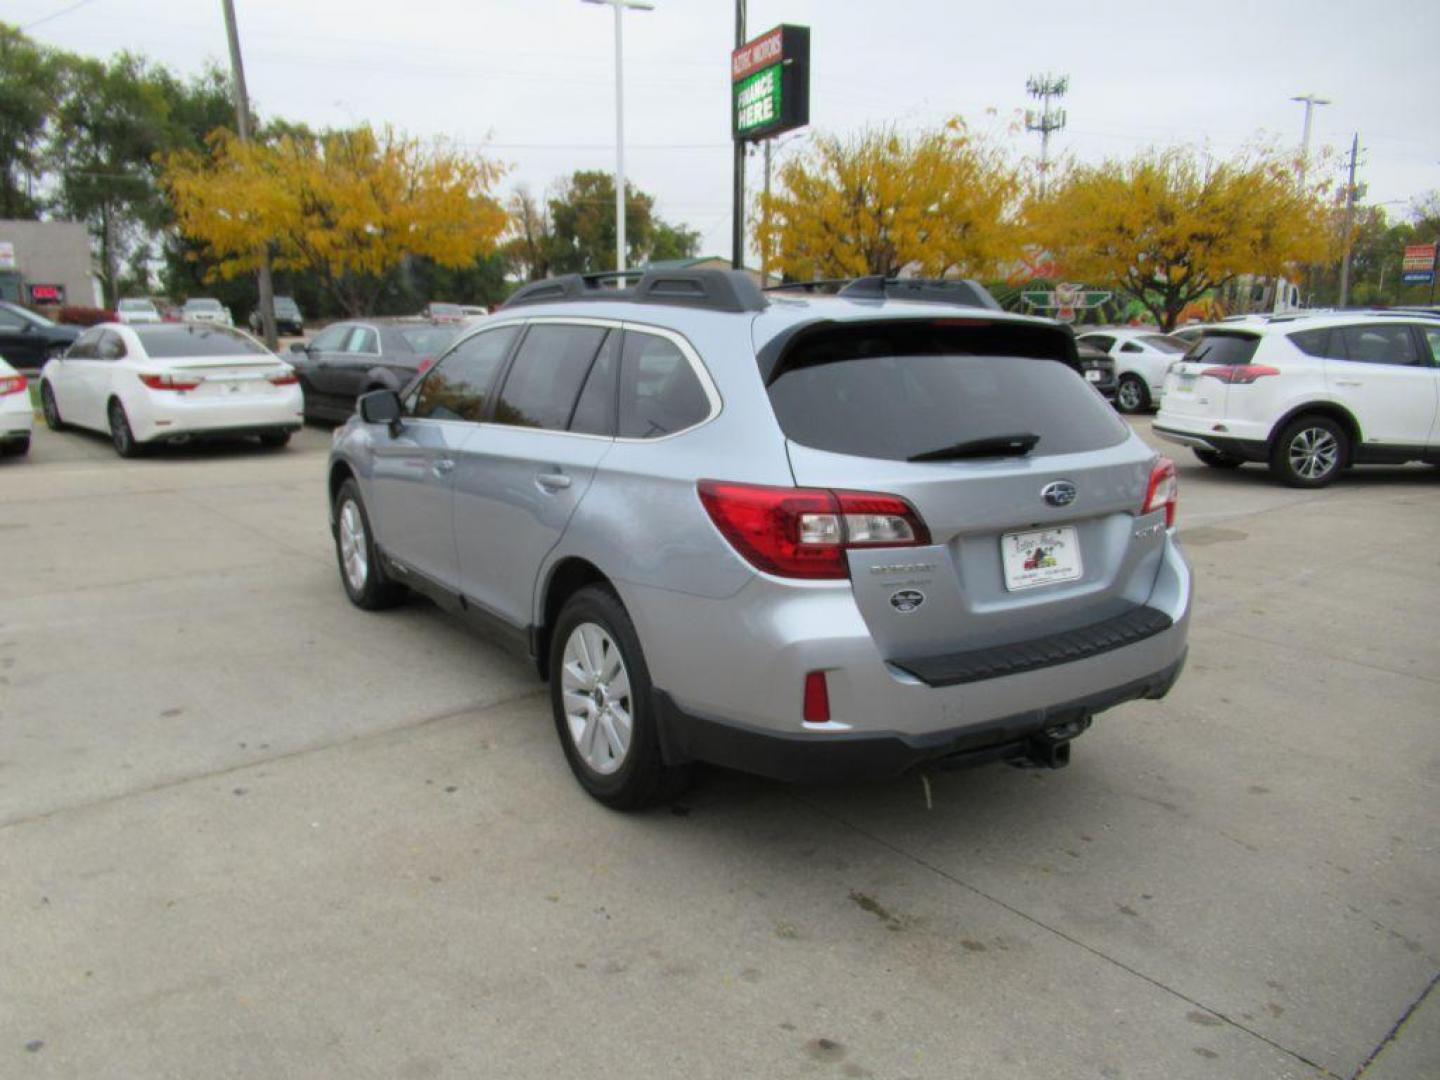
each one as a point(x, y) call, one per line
point(952, 669)
point(1244, 449)
point(850, 757)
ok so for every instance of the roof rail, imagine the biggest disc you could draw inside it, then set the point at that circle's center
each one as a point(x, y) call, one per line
point(712, 290)
point(964, 291)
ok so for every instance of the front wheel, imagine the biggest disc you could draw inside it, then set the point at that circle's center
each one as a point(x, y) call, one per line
point(51, 408)
point(1216, 460)
point(120, 434)
point(1132, 395)
point(600, 693)
point(364, 578)
point(1310, 452)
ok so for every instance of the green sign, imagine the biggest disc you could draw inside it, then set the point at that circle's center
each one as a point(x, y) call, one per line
point(757, 100)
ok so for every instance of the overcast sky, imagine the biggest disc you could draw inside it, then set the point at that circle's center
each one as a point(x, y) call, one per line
point(533, 80)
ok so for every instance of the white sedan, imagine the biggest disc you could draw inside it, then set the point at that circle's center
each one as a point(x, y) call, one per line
point(16, 414)
point(138, 311)
point(171, 383)
point(206, 310)
point(1142, 358)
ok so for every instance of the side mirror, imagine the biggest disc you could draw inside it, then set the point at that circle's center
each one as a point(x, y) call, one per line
point(382, 407)
point(299, 347)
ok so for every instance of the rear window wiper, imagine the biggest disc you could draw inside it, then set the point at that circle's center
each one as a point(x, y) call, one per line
point(992, 446)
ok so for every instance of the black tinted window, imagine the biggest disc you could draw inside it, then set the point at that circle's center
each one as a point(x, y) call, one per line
point(1100, 341)
point(1318, 343)
point(1379, 343)
point(545, 378)
point(1219, 347)
point(897, 406)
point(193, 339)
point(595, 411)
point(458, 387)
point(659, 391)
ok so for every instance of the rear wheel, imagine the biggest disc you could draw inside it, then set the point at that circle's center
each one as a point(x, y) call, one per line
point(1216, 460)
point(360, 571)
point(51, 408)
point(120, 434)
point(600, 693)
point(1132, 395)
point(1310, 452)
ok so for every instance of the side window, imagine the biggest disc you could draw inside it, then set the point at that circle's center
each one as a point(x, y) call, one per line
point(459, 386)
point(330, 339)
point(111, 346)
point(362, 340)
point(544, 381)
point(1322, 343)
point(11, 321)
point(1380, 343)
point(659, 391)
point(1432, 339)
point(595, 411)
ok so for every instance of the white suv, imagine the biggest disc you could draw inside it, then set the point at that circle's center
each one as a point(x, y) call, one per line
point(1310, 395)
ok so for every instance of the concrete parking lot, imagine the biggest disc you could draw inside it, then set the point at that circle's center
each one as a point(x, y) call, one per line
point(249, 831)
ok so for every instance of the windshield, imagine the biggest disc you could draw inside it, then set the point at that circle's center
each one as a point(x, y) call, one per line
point(1165, 343)
point(25, 313)
point(136, 305)
point(285, 306)
point(169, 342)
point(203, 305)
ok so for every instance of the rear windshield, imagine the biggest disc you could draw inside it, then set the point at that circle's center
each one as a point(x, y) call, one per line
point(285, 306)
point(203, 305)
point(166, 342)
point(429, 340)
point(855, 392)
point(1165, 343)
point(1223, 347)
point(136, 305)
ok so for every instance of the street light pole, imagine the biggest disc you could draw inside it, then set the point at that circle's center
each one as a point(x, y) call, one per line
point(1310, 101)
point(242, 123)
point(620, 6)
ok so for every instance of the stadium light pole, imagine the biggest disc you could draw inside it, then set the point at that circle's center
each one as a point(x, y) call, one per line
point(1310, 101)
point(620, 6)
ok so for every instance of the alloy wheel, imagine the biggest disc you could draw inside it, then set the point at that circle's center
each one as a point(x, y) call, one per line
point(120, 429)
point(595, 690)
point(1130, 395)
point(354, 555)
point(1314, 453)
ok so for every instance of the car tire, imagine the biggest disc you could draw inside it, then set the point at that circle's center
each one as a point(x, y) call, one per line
point(1132, 395)
point(1310, 452)
point(361, 573)
point(51, 408)
point(1216, 460)
point(599, 683)
point(121, 437)
point(16, 447)
point(274, 440)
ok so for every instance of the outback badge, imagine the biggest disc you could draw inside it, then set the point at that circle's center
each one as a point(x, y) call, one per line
point(1059, 493)
point(906, 600)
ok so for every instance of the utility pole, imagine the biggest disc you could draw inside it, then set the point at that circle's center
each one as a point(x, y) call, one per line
point(737, 227)
point(1349, 222)
point(1043, 88)
point(765, 246)
point(620, 6)
point(242, 123)
point(1310, 101)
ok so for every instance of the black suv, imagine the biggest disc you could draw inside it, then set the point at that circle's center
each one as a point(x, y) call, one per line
point(288, 320)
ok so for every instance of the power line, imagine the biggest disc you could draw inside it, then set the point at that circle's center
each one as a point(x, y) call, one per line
point(56, 15)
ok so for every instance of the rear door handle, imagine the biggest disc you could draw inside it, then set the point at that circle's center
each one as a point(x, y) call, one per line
point(443, 467)
point(552, 481)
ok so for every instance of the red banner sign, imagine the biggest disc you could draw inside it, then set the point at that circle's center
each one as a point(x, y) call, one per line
point(757, 54)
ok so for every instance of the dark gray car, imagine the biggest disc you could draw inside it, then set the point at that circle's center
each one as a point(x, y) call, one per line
point(348, 359)
point(28, 340)
point(816, 538)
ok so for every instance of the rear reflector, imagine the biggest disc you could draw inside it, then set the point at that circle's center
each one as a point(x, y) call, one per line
point(1163, 491)
point(12, 384)
point(288, 378)
point(804, 532)
point(169, 382)
point(1239, 374)
point(817, 699)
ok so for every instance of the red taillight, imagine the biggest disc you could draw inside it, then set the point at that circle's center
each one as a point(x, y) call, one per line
point(1162, 491)
point(1239, 374)
point(169, 382)
point(288, 378)
point(12, 384)
point(426, 363)
point(803, 532)
point(817, 699)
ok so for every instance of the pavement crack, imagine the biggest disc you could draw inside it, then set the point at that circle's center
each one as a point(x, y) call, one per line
point(1394, 1032)
point(298, 752)
point(1069, 938)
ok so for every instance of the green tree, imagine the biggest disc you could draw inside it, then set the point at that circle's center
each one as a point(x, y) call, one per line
point(582, 226)
point(27, 104)
point(673, 242)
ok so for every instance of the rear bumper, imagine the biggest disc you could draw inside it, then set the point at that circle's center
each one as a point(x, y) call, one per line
point(16, 417)
point(857, 756)
point(1246, 449)
point(153, 418)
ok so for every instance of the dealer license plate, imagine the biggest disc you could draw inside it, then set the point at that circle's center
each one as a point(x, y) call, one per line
point(1094, 374)
point(1040, 557)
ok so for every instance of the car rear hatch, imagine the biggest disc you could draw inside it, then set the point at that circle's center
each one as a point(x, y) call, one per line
point(1198, 384)
point(1030, 488)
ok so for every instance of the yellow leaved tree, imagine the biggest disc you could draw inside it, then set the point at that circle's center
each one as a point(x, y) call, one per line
point(1169, 226)
point(347, 206)
point(941, 202)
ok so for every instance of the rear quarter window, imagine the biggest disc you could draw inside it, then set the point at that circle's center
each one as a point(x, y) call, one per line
point(893, 393)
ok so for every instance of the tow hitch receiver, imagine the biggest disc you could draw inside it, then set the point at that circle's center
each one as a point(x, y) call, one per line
point(1050, 749)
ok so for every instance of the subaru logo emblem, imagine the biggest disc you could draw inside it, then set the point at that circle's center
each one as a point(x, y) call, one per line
point(907, 600)
point(1059, 493)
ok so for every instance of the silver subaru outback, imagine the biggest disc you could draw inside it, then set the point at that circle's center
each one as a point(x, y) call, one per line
point(810, 537)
